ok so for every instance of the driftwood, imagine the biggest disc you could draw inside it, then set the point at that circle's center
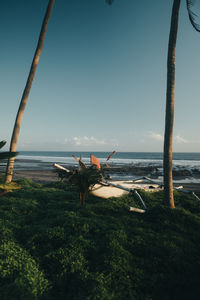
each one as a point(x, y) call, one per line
point(136, 210)
point(57, 166)
point(133, 191)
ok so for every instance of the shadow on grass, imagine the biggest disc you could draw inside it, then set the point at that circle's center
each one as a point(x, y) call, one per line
point(53, 248)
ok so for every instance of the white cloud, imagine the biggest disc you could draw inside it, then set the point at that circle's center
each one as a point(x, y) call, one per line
point(155, 136)
point(159, 137)
point(179, 139)
point(86, 141)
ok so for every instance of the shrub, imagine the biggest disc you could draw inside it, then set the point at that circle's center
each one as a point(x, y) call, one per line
point(20, 276)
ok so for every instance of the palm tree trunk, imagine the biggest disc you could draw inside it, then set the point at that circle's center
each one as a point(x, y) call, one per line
point(169, 114)
point(83, 196)
point(16, 129)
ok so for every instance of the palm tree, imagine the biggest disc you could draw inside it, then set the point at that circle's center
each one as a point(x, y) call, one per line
point(16, 129)
point(169, 114)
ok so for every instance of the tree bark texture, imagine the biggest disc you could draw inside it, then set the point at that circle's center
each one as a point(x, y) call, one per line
point(83, 196)
point(18, 120)
point(169, 113)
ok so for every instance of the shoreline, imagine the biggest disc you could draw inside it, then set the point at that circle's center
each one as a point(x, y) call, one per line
point(49, 176)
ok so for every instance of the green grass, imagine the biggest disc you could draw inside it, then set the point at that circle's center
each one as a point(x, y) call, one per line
point(51, 247)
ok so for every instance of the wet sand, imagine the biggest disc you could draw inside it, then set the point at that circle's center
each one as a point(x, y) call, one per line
point(48, 176)
point(42, 176)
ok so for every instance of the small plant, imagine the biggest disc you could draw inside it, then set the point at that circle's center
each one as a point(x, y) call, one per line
point(84, 177)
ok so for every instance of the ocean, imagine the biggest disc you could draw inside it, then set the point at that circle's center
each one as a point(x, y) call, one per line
point(45, 159)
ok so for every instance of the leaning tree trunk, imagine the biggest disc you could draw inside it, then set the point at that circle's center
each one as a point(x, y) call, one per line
point(16, 129)
point(169, 115)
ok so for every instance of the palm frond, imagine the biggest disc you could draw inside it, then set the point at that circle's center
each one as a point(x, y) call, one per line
point(192, 15)
point(84, 177)
point(2, 143)
point(8, 154)
point(5, 155)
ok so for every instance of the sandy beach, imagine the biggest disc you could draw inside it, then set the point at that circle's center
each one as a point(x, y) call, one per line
point(48, 176)
point(42, 176)
point(126, 167)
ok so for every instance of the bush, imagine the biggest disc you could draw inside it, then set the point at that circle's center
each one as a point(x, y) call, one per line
point(20, 276)
point(53, 248)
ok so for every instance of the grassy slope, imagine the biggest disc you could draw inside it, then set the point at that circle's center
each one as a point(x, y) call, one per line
point(52, 248)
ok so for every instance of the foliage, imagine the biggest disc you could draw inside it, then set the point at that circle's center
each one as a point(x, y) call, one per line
point(84, 177)
point(9, 187)
point(5, 188)
point(5, 155)
point(53, 248)
point(192, 15)
point(15, 262)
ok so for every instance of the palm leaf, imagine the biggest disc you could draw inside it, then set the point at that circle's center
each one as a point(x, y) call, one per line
point(79, 161)
point(193, 16)
point(9, 187)
point(5, 155)
point(2, 143)
point(8, 154)
point(84, 177)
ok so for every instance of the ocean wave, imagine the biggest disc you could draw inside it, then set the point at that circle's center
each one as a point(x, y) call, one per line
point(114, 161)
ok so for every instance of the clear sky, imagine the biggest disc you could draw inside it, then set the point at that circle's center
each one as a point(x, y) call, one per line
point(101, 81)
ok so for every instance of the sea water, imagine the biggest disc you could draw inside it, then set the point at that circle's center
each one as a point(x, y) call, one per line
point(45, 159)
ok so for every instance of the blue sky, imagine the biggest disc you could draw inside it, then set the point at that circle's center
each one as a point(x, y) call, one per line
point(101, 80)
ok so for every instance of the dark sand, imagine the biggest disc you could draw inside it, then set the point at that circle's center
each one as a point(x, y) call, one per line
point(42, 176)
point(47, 176)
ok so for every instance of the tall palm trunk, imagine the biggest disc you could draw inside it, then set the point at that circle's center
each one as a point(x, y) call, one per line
point(16, 129)
point(169, 115)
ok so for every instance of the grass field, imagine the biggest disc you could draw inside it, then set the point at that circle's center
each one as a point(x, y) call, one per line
point(53, 248)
